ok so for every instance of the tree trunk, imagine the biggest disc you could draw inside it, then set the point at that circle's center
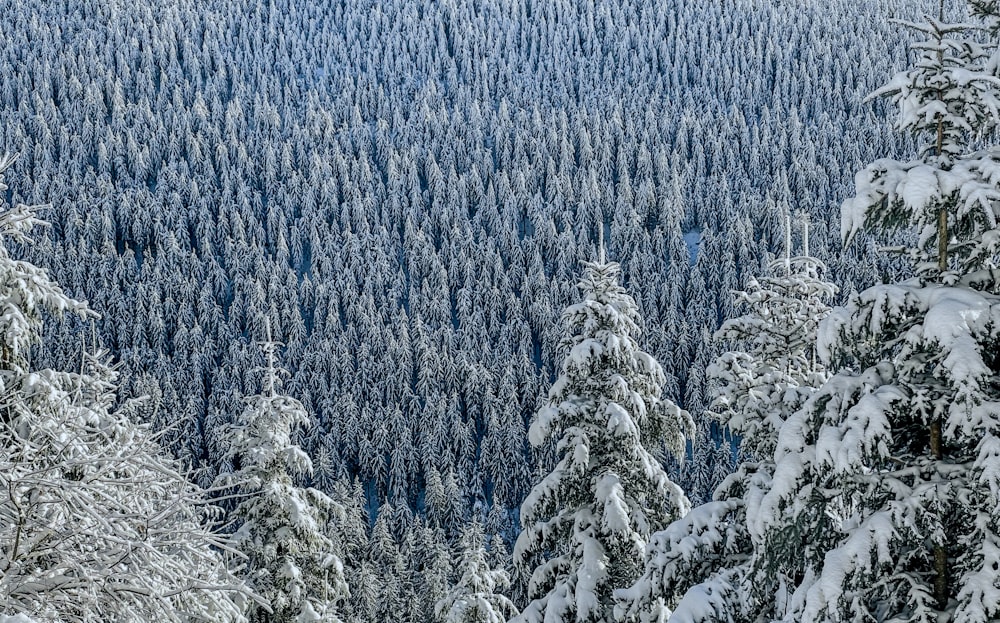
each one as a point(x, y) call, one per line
point(937, 451)
point(940, 552)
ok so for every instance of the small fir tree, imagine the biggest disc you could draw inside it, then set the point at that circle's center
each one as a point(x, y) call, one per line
point(284, 530)
point(474, 598)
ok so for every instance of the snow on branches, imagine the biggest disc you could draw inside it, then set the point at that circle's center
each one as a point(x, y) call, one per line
point(587, 522)
point(284, 530)
point(97, 523)
point(473, 598)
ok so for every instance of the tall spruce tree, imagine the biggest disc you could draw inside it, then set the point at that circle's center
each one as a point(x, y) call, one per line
point(883, 505)
point(586, 523)
point(701, 567)
point(283, 529)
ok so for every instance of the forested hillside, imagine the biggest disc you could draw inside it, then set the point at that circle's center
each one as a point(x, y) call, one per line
point(405, 190)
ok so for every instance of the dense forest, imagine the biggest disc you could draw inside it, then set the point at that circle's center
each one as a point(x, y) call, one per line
point(397, 197)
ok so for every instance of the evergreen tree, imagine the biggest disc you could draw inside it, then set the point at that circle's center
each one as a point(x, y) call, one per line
point(697, 472)
point(388, 569)
point(702, 567)
point(474, 598)
point(96, 523)
point(773, 367)
point(883, 502)
point(586, 523)
point(283, 529)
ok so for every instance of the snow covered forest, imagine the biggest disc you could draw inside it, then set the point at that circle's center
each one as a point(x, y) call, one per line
point(380, 295)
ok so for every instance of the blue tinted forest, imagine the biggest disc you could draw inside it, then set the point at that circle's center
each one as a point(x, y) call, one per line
point(404, 191)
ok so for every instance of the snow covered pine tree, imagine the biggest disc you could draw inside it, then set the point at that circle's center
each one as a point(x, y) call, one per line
point(96, 523)
point(473, 599)
point(701, 567)
point(586, 523)
point(883, 506)
point(283, 528)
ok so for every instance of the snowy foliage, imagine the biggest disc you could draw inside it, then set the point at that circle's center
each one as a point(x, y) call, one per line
point(858, 499)
point(586, 523)
point(28, 292)
point(96, 523)
point(474, 599)
point(949, 98)
point(705, 566)
point(883, 502)
point(284, 530)
point(774, 367)
point(405, 188)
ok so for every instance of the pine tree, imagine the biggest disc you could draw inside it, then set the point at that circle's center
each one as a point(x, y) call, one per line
point(701, 568)
point(774, 366)
point(283, 529)
point(586, 523)
point(388, 567)
point(883, 502)
point(474, 598)
point(96, 522)
point(353, 546)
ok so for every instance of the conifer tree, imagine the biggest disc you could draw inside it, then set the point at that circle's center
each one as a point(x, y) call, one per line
point(389, 570)
point(474, 598)
point(586, 523)
point(883, 502)
point(283, 529)
point(774, 367)
point(701, 568)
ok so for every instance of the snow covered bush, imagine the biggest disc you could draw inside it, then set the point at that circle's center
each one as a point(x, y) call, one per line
point(96, 522)
point(586, 523)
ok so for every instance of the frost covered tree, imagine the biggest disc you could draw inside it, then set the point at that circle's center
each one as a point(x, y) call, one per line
point(773, 367)
point(474, 598)
point(883, 505)
point(96, 522)
point(586, 523)
point(283, 529)
point(703, 566)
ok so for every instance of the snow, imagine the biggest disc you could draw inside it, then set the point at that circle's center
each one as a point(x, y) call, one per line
point(988, 456)
point(692, 240)
point(703, 602)
point(980, 587)
point(920, 187)
point(616, 509)
point(862, 434)
point(585, 352)
point(852, 557)
point(620, 422)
